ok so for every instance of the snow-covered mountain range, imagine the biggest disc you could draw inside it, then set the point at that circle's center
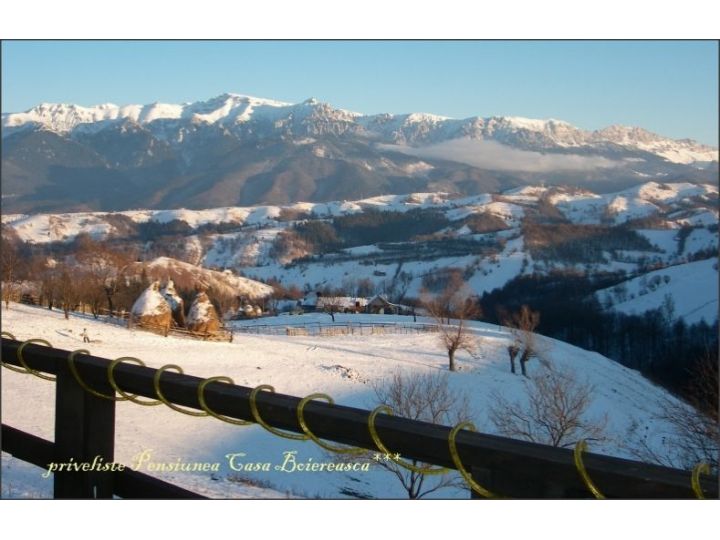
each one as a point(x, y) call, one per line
point(241, 150)
point(312, 118)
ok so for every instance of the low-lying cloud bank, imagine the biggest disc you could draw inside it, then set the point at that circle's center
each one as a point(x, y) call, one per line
point(496, 156)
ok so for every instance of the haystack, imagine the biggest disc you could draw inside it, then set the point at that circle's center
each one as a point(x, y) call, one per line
point(252, 311)
point(177, 306)
point(202, 317)
point(151, 310)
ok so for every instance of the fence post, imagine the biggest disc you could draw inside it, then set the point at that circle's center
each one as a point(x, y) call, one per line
point(85, 434)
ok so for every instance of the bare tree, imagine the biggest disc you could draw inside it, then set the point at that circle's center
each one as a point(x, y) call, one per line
point(452, 309)
point(522, 324)
point(126, 286)
point(700, 432)
point(68, 290)
point(458, 337)
point(279, 294)
point(426, 397)
point(513, 351)
point(695, 422)
point(101, 269)
point(10, 260)
point(449, 289)
point(553, 413)
point(46, 269)
point(333, 304)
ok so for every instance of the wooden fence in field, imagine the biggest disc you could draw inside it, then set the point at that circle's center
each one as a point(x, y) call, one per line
point(85, 430)
point(223, 334)
point(336, 329)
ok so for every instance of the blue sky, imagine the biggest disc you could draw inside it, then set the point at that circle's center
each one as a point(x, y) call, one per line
point(668, 87)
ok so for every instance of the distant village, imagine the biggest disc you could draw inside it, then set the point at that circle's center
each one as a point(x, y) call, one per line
point(169, 296)
point(316, 301)
point(160, 308)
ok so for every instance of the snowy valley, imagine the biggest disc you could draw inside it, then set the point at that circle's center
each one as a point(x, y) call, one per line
point(247, 237)
point(346, 367)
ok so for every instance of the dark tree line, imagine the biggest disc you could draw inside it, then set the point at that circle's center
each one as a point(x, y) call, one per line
point(368, 227)
point(373, 226)
point(661, 347)
point(579, 243)
point(484, 222)
point(417, 231)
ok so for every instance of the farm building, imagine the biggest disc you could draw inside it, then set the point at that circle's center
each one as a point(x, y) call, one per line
point(380, 305)
point(337, 304)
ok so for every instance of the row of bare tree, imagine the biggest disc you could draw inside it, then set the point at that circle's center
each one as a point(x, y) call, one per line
point(555, 407)
point(455, 305)
point(92, 276)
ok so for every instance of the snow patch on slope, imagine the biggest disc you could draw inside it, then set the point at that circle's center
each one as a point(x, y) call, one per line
point(693, 288)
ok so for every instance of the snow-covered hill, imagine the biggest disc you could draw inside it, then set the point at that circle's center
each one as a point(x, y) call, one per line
point(650, 198)
point(224, 283)
point(484, 236)
point(679, 203)
point(300, 366)
point(685, 291)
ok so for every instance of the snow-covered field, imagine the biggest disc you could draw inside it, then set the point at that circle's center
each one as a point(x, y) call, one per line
point(345, 367)
point(692, 287)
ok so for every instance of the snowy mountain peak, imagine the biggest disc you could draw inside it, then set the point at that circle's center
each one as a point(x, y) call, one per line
point(63, 118)
point(624, 134)
point(244, 98)
point(531, 124)
point(425, 117)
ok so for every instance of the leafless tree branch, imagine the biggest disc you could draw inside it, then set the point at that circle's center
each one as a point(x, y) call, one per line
point(554, 412)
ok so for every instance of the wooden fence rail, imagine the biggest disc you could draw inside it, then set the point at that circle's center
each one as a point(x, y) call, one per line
point(333, 329)
point(222, 334)
point(505, 466)
point(127, 484)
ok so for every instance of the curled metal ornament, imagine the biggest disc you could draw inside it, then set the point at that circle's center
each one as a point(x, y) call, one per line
point(10, 366)
point(83, 384)
point(581, 447)
point(402, 463)
point(458, 462)
point(30, 370)
point(256, 415)
point(700, 468)
point(204, 405)
point(156, 386)
point(303, 425)
point(129, 397)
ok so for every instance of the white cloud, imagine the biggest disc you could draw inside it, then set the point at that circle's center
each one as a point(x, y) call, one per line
point(496, 156)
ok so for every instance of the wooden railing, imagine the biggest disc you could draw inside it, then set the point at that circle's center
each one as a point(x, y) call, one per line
point(85, 424)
